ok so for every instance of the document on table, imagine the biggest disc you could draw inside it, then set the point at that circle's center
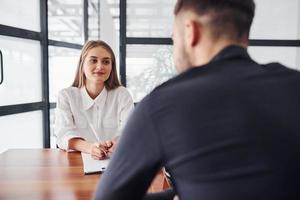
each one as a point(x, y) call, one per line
point(91, 166)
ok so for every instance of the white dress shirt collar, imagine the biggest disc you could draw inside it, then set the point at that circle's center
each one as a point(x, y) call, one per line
point(88, 102)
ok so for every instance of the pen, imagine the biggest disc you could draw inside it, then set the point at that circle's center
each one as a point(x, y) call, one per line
point(92, 127)
point(94, 131)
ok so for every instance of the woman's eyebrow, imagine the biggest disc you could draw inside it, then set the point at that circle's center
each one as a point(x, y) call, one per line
point(104, 58)
point(93, 57)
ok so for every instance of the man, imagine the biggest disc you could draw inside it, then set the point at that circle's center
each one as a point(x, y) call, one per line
point(225, 128)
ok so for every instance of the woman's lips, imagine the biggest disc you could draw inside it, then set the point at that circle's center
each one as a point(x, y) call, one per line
point(98, 73)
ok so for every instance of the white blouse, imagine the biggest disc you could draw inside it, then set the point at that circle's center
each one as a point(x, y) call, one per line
point(77, 115)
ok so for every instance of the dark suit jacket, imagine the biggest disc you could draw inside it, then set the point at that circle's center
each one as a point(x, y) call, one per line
point(227, 130)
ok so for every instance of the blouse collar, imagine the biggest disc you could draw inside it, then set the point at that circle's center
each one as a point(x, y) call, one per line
point(88, 102)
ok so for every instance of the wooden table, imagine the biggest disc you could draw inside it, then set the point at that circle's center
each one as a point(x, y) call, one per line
point(50, 174)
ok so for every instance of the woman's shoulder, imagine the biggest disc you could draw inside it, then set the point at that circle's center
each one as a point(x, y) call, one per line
point(120, 92)
point(69, 91)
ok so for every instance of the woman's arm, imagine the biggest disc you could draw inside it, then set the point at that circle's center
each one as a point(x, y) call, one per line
point(126, 106)
point(65, 128)
point(97, 150)
point(80, 144)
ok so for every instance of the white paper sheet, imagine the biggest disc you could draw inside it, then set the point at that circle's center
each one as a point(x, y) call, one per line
point(91, 166)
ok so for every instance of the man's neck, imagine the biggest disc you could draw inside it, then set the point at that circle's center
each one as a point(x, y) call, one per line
point(204, 54)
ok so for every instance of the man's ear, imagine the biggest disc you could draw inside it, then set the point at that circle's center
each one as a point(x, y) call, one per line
point(192, 33)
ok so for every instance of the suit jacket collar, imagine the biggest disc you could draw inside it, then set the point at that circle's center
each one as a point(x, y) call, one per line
point(232, 51)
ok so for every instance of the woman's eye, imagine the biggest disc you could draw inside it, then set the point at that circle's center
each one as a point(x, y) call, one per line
point(93, 61)
point(106, 62)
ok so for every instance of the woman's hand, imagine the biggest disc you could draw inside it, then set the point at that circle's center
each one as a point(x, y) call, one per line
point(112, 145)
point(103, 150)
point(99, 151)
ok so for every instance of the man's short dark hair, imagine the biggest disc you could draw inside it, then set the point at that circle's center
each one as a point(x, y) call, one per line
point(232, 18)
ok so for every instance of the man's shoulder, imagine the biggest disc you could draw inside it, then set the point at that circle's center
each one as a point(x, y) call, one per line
point(187, 81)
point(283, 75)
point(276, 66)
point(174, 82)
point(222, 75)
point(172, 90)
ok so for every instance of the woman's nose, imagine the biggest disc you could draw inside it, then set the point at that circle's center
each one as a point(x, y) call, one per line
point(99, 65)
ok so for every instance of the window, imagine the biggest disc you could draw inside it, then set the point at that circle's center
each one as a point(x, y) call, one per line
point(147, 67)
point(279, 21)
point(21, 70)
point(65, 19)
point(62, 69)
point(22, 110)
point(22, 130)
point(12, 13)
point(149, 18)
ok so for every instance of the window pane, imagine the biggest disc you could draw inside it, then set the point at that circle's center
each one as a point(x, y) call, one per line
point(154, 19)
point(94, 19)
point(62, 68)
point(279, 21)
point(289, 56)
point(65, 20)
point(21, 14)
point(150, 18)
point(147, 67)
point(22, 71)
point(113, 7)
point(23, 130)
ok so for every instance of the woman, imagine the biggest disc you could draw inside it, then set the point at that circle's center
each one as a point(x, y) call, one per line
point(91, 113)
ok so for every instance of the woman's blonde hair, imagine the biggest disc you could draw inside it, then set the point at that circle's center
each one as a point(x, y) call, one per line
point(112, 82)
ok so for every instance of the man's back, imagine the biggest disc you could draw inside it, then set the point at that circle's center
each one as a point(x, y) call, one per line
point(231, 129)
point(226, 130)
